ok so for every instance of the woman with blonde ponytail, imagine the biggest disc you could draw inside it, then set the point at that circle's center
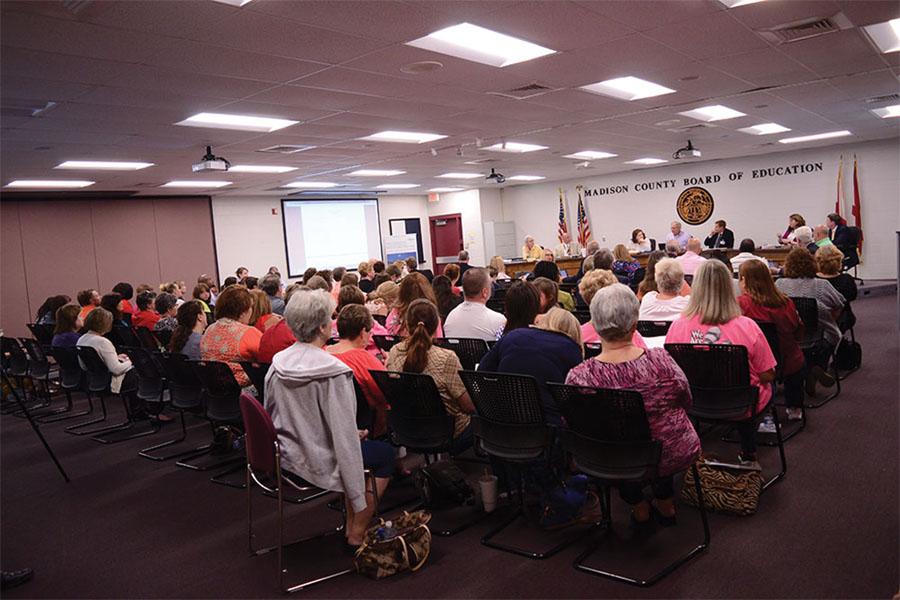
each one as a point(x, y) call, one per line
point(417, 354)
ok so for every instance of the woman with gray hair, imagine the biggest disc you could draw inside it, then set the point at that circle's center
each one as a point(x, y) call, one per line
point(662, 385)
point(310, 395)
point(665, 304)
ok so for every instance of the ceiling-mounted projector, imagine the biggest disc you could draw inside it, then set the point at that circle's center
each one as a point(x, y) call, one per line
point(496, 177)
point(210, 162)
point(687, 152)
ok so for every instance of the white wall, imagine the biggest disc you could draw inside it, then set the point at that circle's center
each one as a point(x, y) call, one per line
point(406, 207)
point(755, 208)
point(468, 205)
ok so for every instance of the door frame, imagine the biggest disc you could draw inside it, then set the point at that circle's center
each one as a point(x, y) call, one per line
point(431, 226)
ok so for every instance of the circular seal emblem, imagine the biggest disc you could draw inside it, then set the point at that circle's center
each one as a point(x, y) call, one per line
point(695, 205)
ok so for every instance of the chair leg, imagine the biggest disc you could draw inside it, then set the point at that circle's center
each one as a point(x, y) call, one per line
point(834, 394)
point(781, 455)
point(220, 478)
point(148, 453)
point(76, 429)
point(129, 422)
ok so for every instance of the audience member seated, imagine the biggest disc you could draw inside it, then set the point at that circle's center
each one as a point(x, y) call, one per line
point(720, 236)
point(412, 265)
point(462, 262)
point(624, 266)
point(803, 238)
point(337, 274)
point(355, 328)
point(413, 287)
point(799, 281)
point(279, 337)
point(166, 306)
point(310, 395)
point(350, 280)
point(191, 324)
point(173, 288)
point(350, 295)
point(639, 242)
point(365, 277)
point(472, 318)
point(531, 251)
point(68, 324)
point(677, 235)
point(820, 237)
point(587, 264)
point(241, 273)
point(603, 259)
point(546, 352)
point(498, 263)
point(317, 282)
point(395, 273)
point(146, 315)
point(326, 274)
point(549, 271)
point(666, 303)
point(383, 298)
point(98, 324)
point(713, 316)
point(673, 250)
point(249, 282)
point(829, 261)
point(663, 388)
point(88, 300)
point(746, 253)
point(567, 247)
point(271, 286)
point(417, 354)
point(201, 293)
point(127, 293)
point(762, 301)
point(310, 272)
point(46, 314)
point(229, 281)
point(522, 305)
point(794, 221)
point(691, 258)
point(592, 283)
point(210, 283)
point(112, 302)
point(548, 255)
point(262, 316)
point(451, 272)
point(231, 339)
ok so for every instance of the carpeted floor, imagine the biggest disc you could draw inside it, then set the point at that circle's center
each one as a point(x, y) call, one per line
point(128, 527)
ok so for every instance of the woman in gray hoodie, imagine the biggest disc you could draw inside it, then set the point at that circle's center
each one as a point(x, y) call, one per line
point(310, 396)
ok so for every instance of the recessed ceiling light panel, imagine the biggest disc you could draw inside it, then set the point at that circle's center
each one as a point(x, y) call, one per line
point(471, 42)
point(764, 129)
point(237, 122)
point(887, 112)
point(525, 178)
point(407, 137)
point(446, 189)
point(102, 165)
point(310, 185)
point(49, 183)
point(515, 147)
point(178, 183)
point(645, 161)
point(736, 3)
point(460, 176)
point(628, 88)
point(815, 137)
point(885, 35)
point(260, 169)
point(716, 112)
point(375, 173)
point(397, 186)
point(590, 155)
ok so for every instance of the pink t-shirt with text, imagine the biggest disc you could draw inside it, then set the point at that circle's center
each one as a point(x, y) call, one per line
point(590, 335)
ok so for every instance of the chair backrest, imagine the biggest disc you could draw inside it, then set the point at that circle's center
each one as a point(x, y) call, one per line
point(380, 319)
point(607, 432)
point(719, 376)
point(583, 315)
point(70, 373)
point(98, 376)
point(808, 309)
point(150, 377)
point(220, 390)
point(123, 337)
point(259, 436)
point(653, 328)
point(510, 415)
point(469, 350)
point(637, 277)
point(365, 416)
point(592, 349)
point(39, 366)
point(417, 416)
point(689, 279)
point(386, 342)
point(257, 373)
point(42, 332)
point(15, 361)
point(185, 388)
point(164, 336)
point(770, 330)
point(146, 338)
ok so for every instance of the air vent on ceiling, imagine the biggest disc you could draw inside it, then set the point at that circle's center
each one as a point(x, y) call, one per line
point(285, 149)
point(531, 90)
point(689, 128)
point(805, 29)
point(885, 98)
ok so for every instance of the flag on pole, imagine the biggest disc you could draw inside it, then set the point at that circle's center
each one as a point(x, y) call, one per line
point(839, 203)
point(584, 228)
point(563, 226)
point(856, 210)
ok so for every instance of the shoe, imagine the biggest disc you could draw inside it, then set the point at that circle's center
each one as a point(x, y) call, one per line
point(749, 463)
point(766, 426)
point(822, 377)
point(11, 579)
point(794, 414)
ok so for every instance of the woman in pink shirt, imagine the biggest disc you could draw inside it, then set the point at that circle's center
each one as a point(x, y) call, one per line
point(350, 294)
point(590, 284)
point(713, 316)
point(412, 287)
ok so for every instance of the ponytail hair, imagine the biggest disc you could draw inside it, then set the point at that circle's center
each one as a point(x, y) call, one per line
point(421, 322)
point(187, 316)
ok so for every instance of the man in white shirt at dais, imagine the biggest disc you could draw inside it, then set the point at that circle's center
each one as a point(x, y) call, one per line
point(472, 318)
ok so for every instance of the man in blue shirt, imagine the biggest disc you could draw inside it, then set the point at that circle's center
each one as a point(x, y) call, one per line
point(678, 235)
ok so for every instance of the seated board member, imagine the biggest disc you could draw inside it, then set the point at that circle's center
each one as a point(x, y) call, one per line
point(412, 265)
point(472, 318)
point(567, 247)
point(639, 242)
point(677, 235)
point(531, 251)
point(720, 236)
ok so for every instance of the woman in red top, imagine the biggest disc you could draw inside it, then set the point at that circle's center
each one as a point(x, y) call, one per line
point(146, 316)
point(262, 318)
point(230, 339)
point(127, 292)
point(762, 301)
point(354, 325)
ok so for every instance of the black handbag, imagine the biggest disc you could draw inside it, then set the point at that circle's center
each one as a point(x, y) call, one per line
point(848, 356)
point(442, 484)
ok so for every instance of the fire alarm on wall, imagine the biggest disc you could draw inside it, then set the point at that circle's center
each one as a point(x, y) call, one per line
point(274, 211)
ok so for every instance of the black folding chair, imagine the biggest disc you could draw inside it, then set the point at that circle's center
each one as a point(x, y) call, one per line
point(15, 365)
point(96, 382)
point(146, 339)
point(151, 384)
point(770, 330)
point(257, 373)
point(592, 349)
point(386, 342)
point(39, 371)
point(814, 343)
point(469, 350)
point(509, 427)
point(43, 333)
point(608, 436)
point(380, 319)
point(719, 376)
point(653, 328)
point(71, 379)
point(164, 336)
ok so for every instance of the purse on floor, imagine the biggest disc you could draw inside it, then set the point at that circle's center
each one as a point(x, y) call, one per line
point(728, 489)
point(407, 548)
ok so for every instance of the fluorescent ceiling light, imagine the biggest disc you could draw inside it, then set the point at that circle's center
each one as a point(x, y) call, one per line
point(471, 42)
point(628, 88)
point(376, 173)
point(765, 129)
point(397, 186)
point(888, 111)
point(102, 165)
point(590, 155)
point(525, 178)
point(310, 185)
point(408, 137)
point(239, 122)
point(195, 184)
point(515, 147)
point(646, 161)
point(460, 176)
point(716, 112)
point(49, 183)
point(260, 169)
point(736, 3)
point(817, 136)
point(238, 3)
point(446, 189)
point(885, 35)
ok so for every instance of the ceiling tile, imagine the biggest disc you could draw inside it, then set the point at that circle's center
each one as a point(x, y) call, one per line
point(839, 53)
point(762, 68)
point(59, 67)
point(764, 15)
point(869, 13)
point(650, 14)
point(721, 34)
point(291, 95)
point(184, 82)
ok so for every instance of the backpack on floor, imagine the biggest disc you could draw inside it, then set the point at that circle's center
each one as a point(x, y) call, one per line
point(443, 484)
point(848, 356)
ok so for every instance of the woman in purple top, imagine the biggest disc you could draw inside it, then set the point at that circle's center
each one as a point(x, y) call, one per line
point(68, 322)
point(662, 385)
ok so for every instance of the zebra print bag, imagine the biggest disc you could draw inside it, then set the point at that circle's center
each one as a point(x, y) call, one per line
point(726, 489)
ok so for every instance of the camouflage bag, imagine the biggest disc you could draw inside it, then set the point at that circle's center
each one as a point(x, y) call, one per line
point(407, 549)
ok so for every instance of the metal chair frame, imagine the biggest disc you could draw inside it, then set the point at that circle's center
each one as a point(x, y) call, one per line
point(808, 310)
point(71, 379)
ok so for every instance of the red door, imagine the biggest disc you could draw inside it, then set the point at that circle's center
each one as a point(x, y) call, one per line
point(446, 240)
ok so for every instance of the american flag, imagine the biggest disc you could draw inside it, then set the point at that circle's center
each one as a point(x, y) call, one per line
point(563, 227)
point(584, 228)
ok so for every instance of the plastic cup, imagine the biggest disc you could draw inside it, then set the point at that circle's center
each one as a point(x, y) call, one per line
point(488, 486)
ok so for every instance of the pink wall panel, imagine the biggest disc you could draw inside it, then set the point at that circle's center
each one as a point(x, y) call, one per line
point(14, 309)
point(59, 248)
point(125, 242)
point(185, 239)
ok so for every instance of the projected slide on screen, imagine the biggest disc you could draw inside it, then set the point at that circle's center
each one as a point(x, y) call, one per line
point(329, 233)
